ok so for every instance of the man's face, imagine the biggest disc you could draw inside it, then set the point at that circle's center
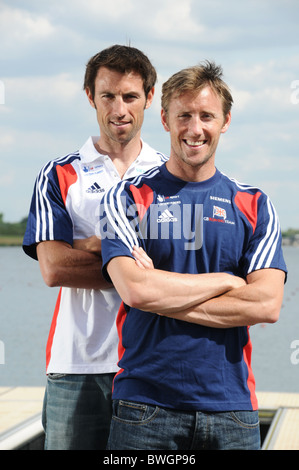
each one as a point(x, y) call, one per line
point(119, 101)
point(195, 121)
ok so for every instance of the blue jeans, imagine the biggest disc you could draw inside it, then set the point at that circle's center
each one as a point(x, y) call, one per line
point(77, 411)
point(137, 426)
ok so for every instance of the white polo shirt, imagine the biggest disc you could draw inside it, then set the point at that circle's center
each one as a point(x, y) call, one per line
point(65, 206)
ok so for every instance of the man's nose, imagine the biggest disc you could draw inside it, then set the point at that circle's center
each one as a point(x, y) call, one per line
point(195, 126)
point(119, 107)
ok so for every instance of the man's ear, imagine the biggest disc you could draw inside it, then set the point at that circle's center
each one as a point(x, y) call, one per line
point(227, 122)
point(164, 120)
point(90, 97)
point(149, 98)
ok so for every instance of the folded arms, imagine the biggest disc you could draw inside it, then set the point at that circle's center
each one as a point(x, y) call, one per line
point(216, 299)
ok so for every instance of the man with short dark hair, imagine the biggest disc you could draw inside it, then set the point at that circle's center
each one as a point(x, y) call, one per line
point(81, 355)
point(197, 259)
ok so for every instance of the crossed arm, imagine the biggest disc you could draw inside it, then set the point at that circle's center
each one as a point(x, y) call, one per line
point(79, 266)
point(215, 300)
point(259, 301)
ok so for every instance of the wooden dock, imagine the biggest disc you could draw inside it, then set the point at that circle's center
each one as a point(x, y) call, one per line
point(20, 417)
point(282, 412)
point(21, 428)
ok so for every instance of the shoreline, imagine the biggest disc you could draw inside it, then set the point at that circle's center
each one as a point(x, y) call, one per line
point(6, 240)
point(16, 240)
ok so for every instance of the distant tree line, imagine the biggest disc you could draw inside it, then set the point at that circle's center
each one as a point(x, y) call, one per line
point(18, 228)
point(291, 232)
point(12, 229)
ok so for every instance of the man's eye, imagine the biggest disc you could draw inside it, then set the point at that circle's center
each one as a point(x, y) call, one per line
point(207, 116)
point(130, 97)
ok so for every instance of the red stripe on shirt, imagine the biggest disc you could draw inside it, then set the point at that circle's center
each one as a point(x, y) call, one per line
point(247, 350)
point(120, 320)
point(52, 330)
point(143, 198)
point(247, 203)
point(66, 177)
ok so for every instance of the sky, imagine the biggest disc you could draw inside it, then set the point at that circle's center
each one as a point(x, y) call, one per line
point(45, 114)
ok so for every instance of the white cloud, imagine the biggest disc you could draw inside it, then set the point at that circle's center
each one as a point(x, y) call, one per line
point(30, 99)
point(21, 25)
point(7, 179)
point(6, 140)
point(241, 99)
point(44, 88)
point(99, 9)
point(173, 21)
point(45, 46)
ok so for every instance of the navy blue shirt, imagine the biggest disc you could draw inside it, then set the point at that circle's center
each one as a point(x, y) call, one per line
point(218, 225)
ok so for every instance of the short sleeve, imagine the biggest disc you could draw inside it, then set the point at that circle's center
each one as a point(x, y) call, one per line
point(264, 249)
point(118, 224)
point(48, 218)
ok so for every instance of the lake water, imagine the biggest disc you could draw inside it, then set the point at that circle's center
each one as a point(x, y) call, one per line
point(27, 306)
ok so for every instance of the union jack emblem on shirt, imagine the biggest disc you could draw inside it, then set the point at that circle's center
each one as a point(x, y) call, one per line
point(219, 212)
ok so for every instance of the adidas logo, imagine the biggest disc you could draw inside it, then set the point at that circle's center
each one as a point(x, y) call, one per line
point(95, 188)
point(166, 216)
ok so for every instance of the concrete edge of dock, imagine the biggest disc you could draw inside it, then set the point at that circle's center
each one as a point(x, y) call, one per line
point(21, 426)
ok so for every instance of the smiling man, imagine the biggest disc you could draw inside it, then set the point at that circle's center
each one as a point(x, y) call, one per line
point(81, 354)
point(195, 121)
point(197, 259)
point(120, 100)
